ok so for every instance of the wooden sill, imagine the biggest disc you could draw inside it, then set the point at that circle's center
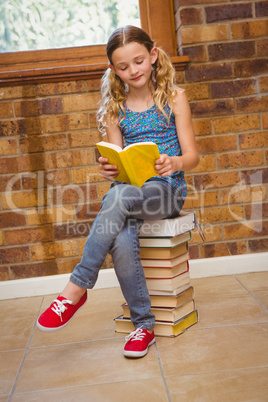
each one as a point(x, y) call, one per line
point(57, 65)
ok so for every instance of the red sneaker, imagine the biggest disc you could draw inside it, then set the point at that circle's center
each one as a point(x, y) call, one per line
point(138, 342)
point(59, 313)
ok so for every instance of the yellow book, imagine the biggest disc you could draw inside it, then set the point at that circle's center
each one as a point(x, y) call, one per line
point(135, 162)
point(162, 328)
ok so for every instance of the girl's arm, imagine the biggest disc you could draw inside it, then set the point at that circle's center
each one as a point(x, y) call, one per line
point(189, 159)
point(114, 137)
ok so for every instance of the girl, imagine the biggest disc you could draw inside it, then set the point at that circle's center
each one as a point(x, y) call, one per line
point(140, 102)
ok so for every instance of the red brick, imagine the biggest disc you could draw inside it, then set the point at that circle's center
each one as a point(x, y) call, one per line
point(197, 2)
point(249, 29)
point(228, 89)
point(61, 88)
point(245, 229)
point(228, 12)
point(216, 144)
point(72, 230)
point(33, 270)
point(15, 92)
point(6, 110)
point(216, 180)
point(202, 127)
point(193, 252)
point(84, 138)
point(253, 140)
point(196, 53)
point(14, 254)
point(57, 123)
point(261, 8)
point(38, 107)
point(263, 82)
point(12, 219)
point(256, 211)
point(252, 104)
point(223, 248)
point(240, 159)
point(234, 50)
point(247, 68)
point(22, 163)
point(258, 245)
point(67, 265)
point(4, 273)
point(209, 72)
point(255, 176)
point(33, 235)
point(42, 179)
point(88, 211)
point(191, 16)
point(10, 183)
point(262, 47)
point(27, 126)
point(94, 84)
point(212, 108)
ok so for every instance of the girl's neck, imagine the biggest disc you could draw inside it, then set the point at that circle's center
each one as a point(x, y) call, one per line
point(140, 100)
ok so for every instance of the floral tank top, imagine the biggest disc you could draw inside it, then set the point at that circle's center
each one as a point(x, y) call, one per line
point(151, 125)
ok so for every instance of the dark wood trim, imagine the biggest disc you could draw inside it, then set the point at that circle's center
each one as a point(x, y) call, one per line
point(157, 18)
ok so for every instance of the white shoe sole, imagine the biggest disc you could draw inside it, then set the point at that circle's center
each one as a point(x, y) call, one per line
point(129, 353)
point(48, 329)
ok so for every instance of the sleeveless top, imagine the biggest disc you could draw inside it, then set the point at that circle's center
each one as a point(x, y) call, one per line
point(151, 125)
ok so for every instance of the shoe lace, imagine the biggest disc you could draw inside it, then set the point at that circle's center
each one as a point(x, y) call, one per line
point(136, 335)
point(59, 307)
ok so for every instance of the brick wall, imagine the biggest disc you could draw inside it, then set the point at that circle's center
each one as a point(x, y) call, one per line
point(50, 185)
point(49, 181)
point(227, 85)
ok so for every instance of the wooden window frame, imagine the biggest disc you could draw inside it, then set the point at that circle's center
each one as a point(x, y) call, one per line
point(157, 18)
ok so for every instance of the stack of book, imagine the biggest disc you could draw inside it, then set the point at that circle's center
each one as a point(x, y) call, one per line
point(165, 260)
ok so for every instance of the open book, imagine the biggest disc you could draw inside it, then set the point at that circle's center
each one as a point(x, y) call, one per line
point(135, 162)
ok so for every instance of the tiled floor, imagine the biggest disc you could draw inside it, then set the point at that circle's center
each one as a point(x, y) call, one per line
point(222, 358)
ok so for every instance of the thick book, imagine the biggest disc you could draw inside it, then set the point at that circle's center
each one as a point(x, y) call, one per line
point(135, 162)
point(185, 222)
point(169, 314)
point(168, 284)
point(171, 262)
point(162, 273)
point(162, 328)
point(174, 292)
point(164, 241)
point(172, 301)
point(163, 253)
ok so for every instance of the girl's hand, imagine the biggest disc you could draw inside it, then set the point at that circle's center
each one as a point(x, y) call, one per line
point(167, 165)
point(108, 171)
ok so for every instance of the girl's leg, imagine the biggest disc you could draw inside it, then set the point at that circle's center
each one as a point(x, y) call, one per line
point(156, 199)
point(159, 201)
point(130, 274)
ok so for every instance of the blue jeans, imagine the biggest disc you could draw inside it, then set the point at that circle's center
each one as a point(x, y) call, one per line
point(115, 231)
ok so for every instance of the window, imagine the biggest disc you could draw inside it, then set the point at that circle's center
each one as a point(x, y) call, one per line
point(38, 24)
point(156, 17)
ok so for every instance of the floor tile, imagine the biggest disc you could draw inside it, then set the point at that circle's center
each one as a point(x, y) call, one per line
point(262, 297)
point(254, 281)
point(95, 321)
point(234, 309)
point(83, 364)
point(136, 391)
point(218, 285)
point(17, 317)
point(4, 398)
point(10, 364)
point(232, 386)
point(213, 349)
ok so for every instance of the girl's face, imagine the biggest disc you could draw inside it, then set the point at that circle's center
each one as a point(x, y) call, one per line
point(133, 64)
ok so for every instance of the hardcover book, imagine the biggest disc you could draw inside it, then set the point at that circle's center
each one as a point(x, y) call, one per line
point(135, 162)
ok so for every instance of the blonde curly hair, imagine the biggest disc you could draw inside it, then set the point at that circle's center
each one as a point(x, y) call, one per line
point(113, 89)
